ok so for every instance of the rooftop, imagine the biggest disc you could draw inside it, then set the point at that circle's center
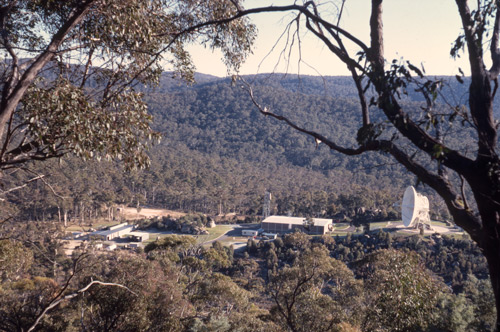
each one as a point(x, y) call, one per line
point(296, 220)
point(111, 231)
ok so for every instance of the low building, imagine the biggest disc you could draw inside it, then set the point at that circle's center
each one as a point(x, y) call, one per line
point(117, 226)
point(139, 236)
point(271, 236)
point(249, 232)
point(115, 231)
point(283, 224)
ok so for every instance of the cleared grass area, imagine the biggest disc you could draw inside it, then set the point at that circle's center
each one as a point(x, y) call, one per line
point(340, 229)
point(75, 228)
point(130, 213)
point(214, 233)
point(234, 239)
point(340, 234)
point(378, 225)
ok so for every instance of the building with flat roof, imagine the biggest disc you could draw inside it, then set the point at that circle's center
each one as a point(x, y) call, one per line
point(283, 224)
point(112, 232)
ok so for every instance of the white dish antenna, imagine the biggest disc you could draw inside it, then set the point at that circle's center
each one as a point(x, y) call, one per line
point(415, 209)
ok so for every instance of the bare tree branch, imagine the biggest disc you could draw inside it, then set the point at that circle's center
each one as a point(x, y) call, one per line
point(58, 298)
point(46, 183)
point(5, 192)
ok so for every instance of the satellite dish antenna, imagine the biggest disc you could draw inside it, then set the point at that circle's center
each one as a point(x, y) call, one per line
point(415, 209)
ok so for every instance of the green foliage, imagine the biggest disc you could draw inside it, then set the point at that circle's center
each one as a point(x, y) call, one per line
point(317, 284)
point(79, 90)
point(174, 242)
point(402, 293)
point(15, 259)
point(21, 301)
point(293, 283)
point(154, 304)
point(64, 120)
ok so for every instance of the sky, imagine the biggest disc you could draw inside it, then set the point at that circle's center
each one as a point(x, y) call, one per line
point(421, 31)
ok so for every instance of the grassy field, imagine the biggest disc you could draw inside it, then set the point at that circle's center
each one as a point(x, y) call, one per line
point(214, 233)
point(438, 223)
point(378, 225)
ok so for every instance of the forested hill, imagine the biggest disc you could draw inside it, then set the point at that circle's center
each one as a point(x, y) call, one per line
point(215, 116)
point(219, 154)
point(215, 119)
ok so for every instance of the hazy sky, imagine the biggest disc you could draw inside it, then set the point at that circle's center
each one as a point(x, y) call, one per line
point(421, 31)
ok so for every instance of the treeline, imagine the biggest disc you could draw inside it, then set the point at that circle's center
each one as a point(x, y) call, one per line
point(296, 283)
point(74, 190)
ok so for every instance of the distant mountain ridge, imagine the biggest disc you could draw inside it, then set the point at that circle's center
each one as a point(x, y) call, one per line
point(452, 91)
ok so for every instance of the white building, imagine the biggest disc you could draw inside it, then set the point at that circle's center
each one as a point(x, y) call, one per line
point(283, 224)
point(113, 232)
point(249, 232)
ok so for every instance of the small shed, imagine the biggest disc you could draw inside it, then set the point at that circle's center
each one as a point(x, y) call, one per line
point(249, 232)
point(139, 236)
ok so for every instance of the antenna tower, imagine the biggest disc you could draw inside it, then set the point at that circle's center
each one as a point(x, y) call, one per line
point(266, 209)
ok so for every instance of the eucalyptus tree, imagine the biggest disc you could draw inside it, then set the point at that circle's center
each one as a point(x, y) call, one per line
point(401, 294)
point(70, 71)
point(315, 293)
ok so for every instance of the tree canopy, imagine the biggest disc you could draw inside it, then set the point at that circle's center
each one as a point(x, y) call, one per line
point(70, 71)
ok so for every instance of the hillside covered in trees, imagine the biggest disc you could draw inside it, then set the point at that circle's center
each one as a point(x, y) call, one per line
point(219, 155)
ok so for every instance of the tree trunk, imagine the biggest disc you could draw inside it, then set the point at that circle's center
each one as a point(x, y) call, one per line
point(493, 259)
point(82, 213)
point(54, 263)
point(65, 217)
point(484, 179)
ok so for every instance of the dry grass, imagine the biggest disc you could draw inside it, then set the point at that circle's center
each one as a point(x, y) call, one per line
point(129, 213)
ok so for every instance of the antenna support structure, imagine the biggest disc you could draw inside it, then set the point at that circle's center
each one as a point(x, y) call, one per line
point(266, 209)
point(415, 210)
